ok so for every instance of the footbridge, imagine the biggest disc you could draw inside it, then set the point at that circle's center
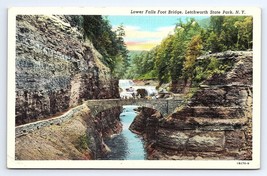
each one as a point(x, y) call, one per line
point(165, 106)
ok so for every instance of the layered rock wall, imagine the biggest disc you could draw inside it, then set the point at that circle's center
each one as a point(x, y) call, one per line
point(55, 68)
point(215, 124)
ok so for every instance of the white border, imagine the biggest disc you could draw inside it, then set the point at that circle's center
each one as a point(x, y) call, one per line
point(182, 164)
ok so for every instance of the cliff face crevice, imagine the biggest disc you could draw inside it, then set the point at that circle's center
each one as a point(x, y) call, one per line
point(55, 68)
point(216, 123)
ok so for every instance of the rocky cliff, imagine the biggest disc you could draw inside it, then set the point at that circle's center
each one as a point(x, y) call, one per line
point(55, 68)
point(79, 138)
point(216, 123)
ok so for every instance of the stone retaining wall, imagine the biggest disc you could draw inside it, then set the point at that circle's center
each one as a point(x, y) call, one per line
point(27, 128)
point(96, 107)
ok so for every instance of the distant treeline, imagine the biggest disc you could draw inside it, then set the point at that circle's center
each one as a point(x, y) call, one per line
point(175, 58)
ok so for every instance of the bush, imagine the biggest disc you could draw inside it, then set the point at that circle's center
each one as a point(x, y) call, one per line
point(206, 69)
point(82, 143)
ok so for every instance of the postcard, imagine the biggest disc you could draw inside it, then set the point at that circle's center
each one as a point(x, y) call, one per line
point(134, 88)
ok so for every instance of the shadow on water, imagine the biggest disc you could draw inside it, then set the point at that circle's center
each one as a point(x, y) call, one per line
point(126, 145)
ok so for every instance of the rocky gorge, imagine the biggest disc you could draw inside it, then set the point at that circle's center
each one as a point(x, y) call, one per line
point(215, 123)
point(56, 71)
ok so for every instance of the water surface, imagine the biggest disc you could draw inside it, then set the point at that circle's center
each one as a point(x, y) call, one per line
point(126, 145)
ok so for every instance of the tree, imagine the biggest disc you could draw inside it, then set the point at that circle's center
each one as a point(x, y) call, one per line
point(174, 59)
point(244, 33)
point(194, 50)
point(230, 33)
point(216, 24)
point(109, 43)
point(177, 55)
point(121, 60)
point(163, 56)
point(213, 43)
point(183, 35)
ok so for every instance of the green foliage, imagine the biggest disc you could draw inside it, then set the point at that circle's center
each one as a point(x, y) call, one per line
point(109, 43)
point(163, 55)
point(177, 54)
point(142, 66)
point(175, 58)
point(213, 43)
point(148, 76)
point(204, 23)
point(216, 24)
point(82, 143)
point(244, 33)
point(210, 67)
point(193, 51)
point(229, 33)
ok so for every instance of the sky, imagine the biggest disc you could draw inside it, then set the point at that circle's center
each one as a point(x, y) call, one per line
point(145, 32)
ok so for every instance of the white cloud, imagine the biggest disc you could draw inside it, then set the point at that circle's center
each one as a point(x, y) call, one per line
point(166, 29)
point(138, 33)
point(137, 38)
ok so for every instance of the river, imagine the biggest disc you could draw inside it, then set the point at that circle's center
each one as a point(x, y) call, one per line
point(126, 145)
